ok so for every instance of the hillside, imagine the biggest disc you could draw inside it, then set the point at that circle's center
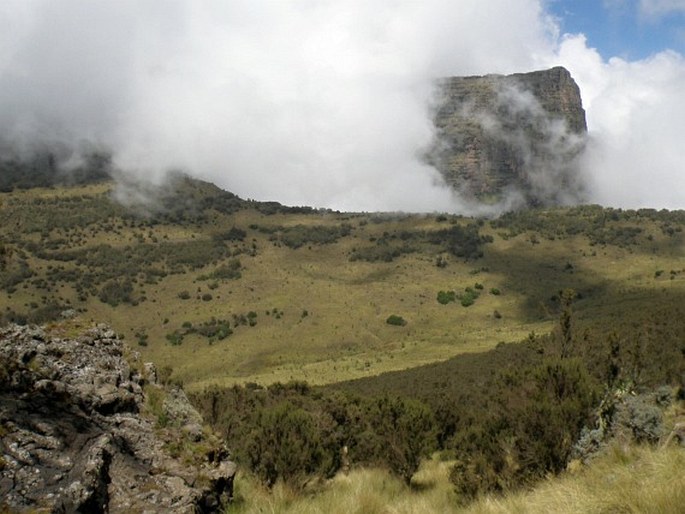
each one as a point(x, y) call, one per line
point(228, 291)
point(508, 346)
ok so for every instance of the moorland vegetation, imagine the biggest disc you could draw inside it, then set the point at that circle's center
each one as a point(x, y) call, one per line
point(320, 342)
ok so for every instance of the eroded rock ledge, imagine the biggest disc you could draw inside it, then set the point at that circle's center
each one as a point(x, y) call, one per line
point(84, 427)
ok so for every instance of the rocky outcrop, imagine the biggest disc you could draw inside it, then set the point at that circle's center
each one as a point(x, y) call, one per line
point(83, 429)
point(511, 139)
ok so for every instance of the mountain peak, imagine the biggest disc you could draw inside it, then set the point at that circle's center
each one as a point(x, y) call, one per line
point(511, 138)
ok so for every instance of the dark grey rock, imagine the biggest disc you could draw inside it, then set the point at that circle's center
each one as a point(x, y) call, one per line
point(74, 436)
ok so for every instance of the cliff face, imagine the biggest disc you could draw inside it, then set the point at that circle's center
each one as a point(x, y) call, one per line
point(80, 433)
point(513, 138)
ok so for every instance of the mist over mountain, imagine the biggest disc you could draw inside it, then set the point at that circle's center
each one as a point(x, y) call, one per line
point(325, 104)
point(512, 140)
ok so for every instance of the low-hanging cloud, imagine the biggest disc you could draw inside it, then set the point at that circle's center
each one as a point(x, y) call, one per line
point(323, 102)
point(636, 116)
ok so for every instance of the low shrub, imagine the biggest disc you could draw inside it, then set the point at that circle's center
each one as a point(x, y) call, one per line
point(445, 297)
point(396, 320)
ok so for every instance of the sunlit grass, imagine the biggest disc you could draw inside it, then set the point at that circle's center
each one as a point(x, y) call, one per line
point(344, 334)
point(639, 480)
point(634, 480)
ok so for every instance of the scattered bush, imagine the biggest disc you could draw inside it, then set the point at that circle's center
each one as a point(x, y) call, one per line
point(396, 320)
point(465, 242)
point(175, 338)
point(468, 297)
point(115, 292)
point(285, 444)
point(445, 297)
point(228, 271)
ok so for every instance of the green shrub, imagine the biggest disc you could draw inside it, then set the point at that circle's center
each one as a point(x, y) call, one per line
point(285, 444)
point(142, 337)
point(228, 271)
point(640, 417)
point(175, 338)
point(234, 234)
point(396, 320)
point(406, 429)
point(445, 297)
point(300, 235)
point(115, 292)
point(529, 431)
point(382, 252)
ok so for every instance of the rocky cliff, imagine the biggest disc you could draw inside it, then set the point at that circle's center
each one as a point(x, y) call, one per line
point(85, 427)
point(511, 139)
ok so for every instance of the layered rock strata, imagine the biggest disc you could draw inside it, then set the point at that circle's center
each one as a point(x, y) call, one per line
point(513, 138)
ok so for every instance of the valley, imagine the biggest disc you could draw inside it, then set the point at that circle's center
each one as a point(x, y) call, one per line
point(319, 286)
point(499, 346)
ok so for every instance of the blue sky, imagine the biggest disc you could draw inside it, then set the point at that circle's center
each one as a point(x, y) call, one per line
point(629, 29)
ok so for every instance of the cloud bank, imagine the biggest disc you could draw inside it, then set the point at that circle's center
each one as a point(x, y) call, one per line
point(318, 102)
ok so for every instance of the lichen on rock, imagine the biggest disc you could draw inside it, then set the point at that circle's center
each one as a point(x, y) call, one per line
point(76, 434)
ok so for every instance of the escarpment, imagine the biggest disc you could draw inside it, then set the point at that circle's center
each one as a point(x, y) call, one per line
point(514, 139)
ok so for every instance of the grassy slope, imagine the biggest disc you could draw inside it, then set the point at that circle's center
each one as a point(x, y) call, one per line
point(344, 336)
point(631, 480)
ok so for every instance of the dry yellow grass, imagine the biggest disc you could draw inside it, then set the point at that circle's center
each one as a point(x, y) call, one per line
point(638, 480)
point(345, 335)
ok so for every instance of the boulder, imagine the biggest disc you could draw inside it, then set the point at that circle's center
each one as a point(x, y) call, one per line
point(77, 434)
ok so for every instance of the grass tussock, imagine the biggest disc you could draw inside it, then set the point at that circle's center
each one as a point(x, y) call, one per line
point(634, 480)
point(361, 491)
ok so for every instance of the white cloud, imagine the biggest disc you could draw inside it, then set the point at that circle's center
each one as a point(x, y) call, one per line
point(658, 8)
point(319, 102)
point(636, 116)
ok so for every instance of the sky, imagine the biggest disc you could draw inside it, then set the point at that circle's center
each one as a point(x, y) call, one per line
point(627, 29)
point(327, 102)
